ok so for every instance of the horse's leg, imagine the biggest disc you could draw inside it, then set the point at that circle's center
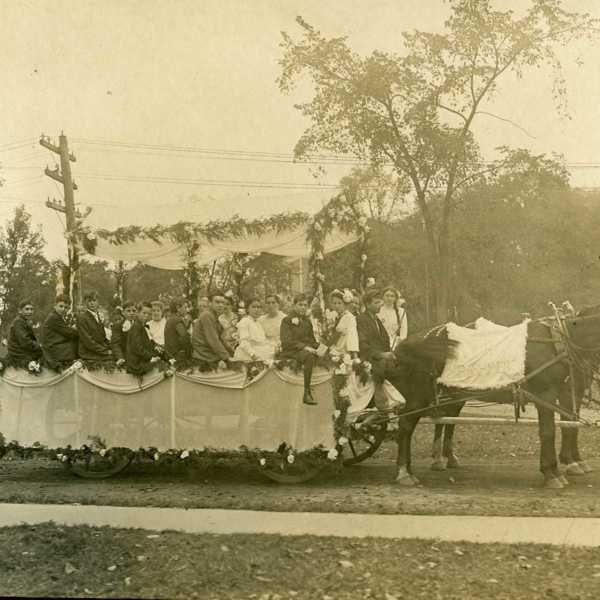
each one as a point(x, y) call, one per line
point(438, 463)
point(569, 451)
point(452, 461)
point(548, 462)
point(406, 426)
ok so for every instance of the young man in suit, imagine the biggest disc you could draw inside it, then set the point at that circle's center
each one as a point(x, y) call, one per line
point(93, 345)
point(23, 346)
point(142, 352)
point(298, 342)
point(374, 342)
point(207, 343)
point(178, 344)
point(120, 331)
point(59, 339)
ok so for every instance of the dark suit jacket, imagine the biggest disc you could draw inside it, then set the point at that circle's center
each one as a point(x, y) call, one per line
point(23, 346)
point(118, 340)
point(178, 344)
point(207, 344)
point(140, 349)
point(295, 338)
point(59, 341)
point(372, 340)
point(93, 345)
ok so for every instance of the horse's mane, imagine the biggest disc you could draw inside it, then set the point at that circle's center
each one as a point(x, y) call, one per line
point(428, 352)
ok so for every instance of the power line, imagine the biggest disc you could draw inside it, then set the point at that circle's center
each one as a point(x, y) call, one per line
point(15, 145)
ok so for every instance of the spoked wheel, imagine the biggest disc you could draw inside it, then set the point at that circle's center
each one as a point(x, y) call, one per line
point(95, 466)
point(288, 475)
point(364, 440)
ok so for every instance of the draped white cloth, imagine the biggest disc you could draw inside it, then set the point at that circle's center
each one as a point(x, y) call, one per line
point(169, 255)
point(218, 410)
point(490, 356)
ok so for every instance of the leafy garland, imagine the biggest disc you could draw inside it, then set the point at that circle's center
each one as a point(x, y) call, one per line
point(187, 233)
point(338, 212)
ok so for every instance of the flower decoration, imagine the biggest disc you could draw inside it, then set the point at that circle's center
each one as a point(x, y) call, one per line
point(320, 276)
point(229, 294)
point(348, 296)
point(342, 441)
point(126, 326)
point(317, 226)
point(184, 454)
point(370, 281)
point(295, 321)
point(291, 458)
point(102, 451)
point(34, 367)
point(363, 258)
point(262, 462)
point(156, 455)
point(332, 454)
point(344, 393)
point(91, 236)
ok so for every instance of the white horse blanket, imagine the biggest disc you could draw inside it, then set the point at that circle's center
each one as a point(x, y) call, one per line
point(490, 356)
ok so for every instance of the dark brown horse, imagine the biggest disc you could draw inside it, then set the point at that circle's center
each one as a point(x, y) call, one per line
point(549, 380)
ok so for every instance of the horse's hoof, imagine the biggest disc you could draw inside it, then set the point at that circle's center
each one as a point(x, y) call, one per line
point(438, 465)
point(405, 480)
point(585, 467)
point(574, 469)
point(453, 462)
point(553, 483)
point(563, 480)
point(415, 480)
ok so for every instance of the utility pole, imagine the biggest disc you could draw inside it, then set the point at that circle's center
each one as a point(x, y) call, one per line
point(73, 216)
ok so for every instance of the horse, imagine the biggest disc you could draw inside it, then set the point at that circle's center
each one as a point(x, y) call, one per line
point(548, 370)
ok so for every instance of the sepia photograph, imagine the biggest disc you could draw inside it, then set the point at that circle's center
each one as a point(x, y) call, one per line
point(300, 300)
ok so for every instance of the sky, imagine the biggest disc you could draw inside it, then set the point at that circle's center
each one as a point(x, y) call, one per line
point(202, 75)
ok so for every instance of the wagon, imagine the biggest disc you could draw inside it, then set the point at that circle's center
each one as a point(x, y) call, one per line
point(212, 413)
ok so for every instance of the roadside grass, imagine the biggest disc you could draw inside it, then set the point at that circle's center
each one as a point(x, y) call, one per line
point(48, 560)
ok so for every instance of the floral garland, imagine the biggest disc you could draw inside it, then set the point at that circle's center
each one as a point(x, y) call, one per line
point(284, 459)
point(338, 212)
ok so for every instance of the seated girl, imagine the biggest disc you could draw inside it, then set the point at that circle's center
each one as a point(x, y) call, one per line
point(253, 343)
point(345, 338)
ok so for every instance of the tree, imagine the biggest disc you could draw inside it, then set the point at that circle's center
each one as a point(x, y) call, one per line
point(25, 273)
point(415, 112)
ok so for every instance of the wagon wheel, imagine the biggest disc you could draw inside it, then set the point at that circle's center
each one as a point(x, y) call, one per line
point(288, 475)
point(364, 441)
point(95, 466)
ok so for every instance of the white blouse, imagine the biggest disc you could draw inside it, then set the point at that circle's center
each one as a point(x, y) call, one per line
point(253, 342)
point(156, 329)
point(389, 317)
point(348, 339)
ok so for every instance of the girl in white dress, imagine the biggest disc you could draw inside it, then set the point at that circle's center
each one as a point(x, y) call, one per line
point(253, 343)
point(393, 316)
point(346, 335)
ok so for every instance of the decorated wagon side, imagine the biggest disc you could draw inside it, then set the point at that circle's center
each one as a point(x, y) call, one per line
point(99, 419)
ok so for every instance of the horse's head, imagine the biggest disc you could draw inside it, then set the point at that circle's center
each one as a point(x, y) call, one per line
point(584, 328)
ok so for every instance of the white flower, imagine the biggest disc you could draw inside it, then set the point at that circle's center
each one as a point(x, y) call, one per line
point(347, 360)
point(91, 236)
point(295, 321)
point(341, 370)
point(156, 455)
point(332, 454)
point(344, 392)
point(229, 294)
point(102, 451)
point(348, 296)
point(126, 326)
point(366, 229)
point(291, 458)
point(263, 462)
point(222, 366)
point(59, 456)
point(77, 365)
point(372, 439)
point(169, 372)
point(64, 458)
point(320, 276)
point(370, 281)
point(172, 361)
point(363, 258)
point(342, 441)
point(184, 454)
point(317, 226)
point(335, 358)
point(1, 366)
point(242, 304)
point(241, 311)
point(356, 361)
point(34, 366)
point(337, 413)
point(367, 366)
